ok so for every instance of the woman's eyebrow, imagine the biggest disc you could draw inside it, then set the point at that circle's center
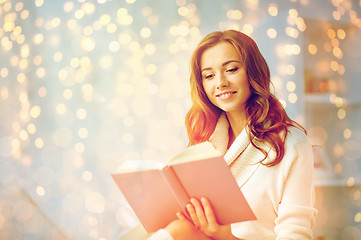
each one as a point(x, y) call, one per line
point(230, 61)
point(223, 64)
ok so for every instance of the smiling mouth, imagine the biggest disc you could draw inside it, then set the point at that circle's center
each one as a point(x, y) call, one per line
point(225, 95)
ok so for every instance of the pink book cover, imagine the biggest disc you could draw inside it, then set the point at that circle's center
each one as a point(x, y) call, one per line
point(156, 195)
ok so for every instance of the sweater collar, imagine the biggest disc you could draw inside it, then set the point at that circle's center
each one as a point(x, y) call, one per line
point(242, 157)
point(220, 140)
point(220, 136)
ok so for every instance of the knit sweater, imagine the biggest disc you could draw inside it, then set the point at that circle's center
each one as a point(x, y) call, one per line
point(281, 196)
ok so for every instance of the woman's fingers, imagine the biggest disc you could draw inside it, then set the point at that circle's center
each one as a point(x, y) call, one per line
point(208, 210)
point(181, 216)
point(199, 211)
point(204, 218)
point(193, 215)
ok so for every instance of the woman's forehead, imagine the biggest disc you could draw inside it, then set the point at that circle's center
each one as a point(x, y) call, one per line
point(219, 54)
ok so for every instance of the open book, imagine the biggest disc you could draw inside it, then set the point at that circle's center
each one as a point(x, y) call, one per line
point(157, 194)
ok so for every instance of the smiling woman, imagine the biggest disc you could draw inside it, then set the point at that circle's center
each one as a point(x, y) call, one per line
point(265, 122)
point(267, 152)
point(225, 82)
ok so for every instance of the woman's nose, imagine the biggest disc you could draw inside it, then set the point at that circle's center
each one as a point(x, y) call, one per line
point(222, 82)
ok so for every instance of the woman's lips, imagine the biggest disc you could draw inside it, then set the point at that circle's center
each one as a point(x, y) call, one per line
point(225, 95)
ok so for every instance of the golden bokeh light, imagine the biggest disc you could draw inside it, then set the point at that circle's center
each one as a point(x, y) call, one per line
point(38, 38)
point(292, 32)
point(39, 143)
point(272, 33)
point(357, 217)
point(112, 28)
point(68, 94)
point(31, 128)
point(341, 34)
point(273, 9)
point(336, 15)
point(339, 102)
point(234, 14)
point(145, 32)
point(293, 13)
point(341, 113)
point(290, 69)
point(183, 11)
point(81, 113)
point(312, 49)
point(83, 133)
point(337, 52)
point(39, 3)
point(331, 33)
point(40, 72)
point(350, 182)
point(40, 191)
point(247, 29)
point(291, 86)
point(292, 98)
point(23, 135)
point(68, 6)
point(151, 69)
point(334, 65)
point(42, 92)
point(347, 133)
point(87, 176)
point(79, 147)
point(35, 111)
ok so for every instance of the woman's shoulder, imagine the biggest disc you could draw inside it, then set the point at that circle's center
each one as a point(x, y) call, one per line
point(297, 147)
point(295, 135)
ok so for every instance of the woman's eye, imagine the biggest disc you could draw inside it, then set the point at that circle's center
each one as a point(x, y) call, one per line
point(208, 76)
point(232, 69)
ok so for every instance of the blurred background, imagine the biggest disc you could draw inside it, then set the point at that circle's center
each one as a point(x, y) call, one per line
point(88, 84)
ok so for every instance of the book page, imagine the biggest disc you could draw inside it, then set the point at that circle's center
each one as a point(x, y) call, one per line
point(213, 179)
point(196, 152)
point(149, 196)
point(139, 165)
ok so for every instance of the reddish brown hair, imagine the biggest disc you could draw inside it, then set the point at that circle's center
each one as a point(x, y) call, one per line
point(266, 117)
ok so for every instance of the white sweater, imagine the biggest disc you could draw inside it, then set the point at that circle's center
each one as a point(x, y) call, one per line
point(282, 196)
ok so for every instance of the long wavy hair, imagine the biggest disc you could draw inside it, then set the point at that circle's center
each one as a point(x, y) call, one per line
point(266, 118)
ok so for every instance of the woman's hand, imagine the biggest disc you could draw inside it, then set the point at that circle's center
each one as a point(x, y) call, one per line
point(203, 218)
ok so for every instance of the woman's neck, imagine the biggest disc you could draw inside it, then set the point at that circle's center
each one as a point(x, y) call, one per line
point(238, 122)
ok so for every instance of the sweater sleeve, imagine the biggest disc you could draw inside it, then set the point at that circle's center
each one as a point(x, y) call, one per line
point(296, 212)
point(161, 234)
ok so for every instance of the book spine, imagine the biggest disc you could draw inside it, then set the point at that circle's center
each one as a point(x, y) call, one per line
point(176, 187)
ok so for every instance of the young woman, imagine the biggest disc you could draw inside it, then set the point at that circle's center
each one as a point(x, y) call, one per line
point(267, 152)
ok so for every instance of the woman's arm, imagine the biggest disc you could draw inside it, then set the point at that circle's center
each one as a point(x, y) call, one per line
point(296, 212)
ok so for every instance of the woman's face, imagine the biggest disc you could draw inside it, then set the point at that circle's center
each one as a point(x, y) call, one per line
point(224, 78)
